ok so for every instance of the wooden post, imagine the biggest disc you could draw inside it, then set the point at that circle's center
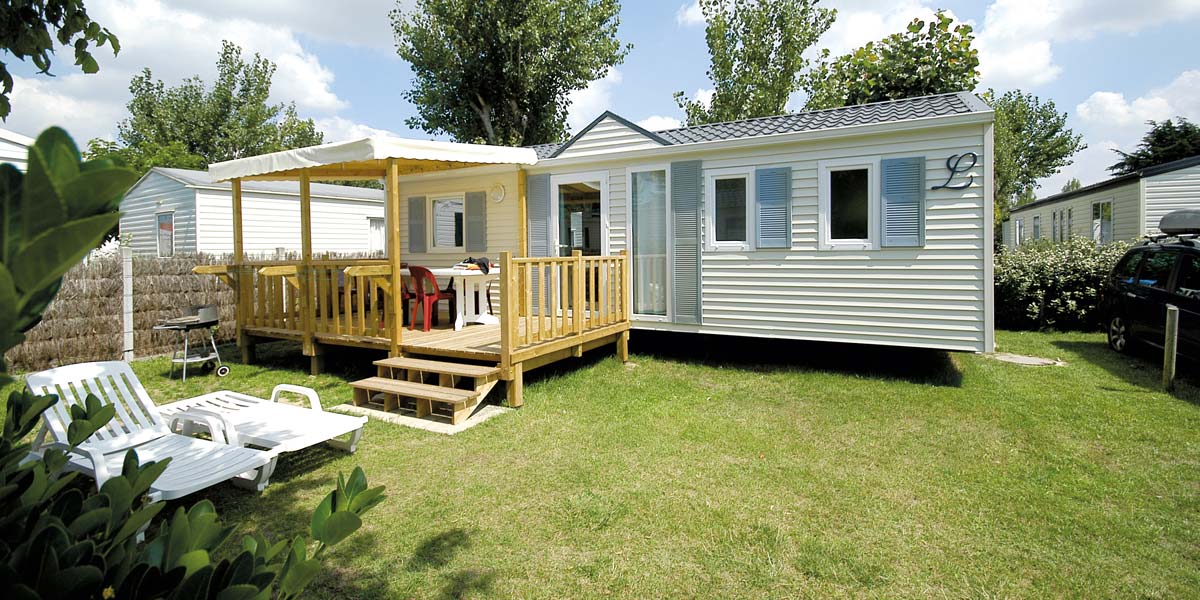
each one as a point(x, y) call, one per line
point(1170, 347)
point(515, 386)
point(392, 184)
point(508, 309)
point(626, 286)
point(244, 294)
point(522, 216)
point(577, 292)
point(304, 277)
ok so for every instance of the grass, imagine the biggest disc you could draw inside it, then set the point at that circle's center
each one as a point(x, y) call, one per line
point(789, 470)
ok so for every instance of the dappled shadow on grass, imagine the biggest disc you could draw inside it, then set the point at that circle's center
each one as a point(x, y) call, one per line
point(1142, 367)
point(437, 551)
point(914, 365)
point(468, 582)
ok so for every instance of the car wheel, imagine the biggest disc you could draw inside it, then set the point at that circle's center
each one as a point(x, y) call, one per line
point(1119, 336)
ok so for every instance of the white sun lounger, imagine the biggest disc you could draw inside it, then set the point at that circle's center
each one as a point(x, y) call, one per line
point(245, 420)
point(140, 426)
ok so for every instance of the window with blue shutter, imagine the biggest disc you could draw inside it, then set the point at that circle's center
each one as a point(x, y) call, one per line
point(416, 224)
point(476, 221)
point(773, 193)
point(902, 189)
point(687, 190)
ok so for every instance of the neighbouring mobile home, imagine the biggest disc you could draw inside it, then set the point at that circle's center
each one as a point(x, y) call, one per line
point(181, 211)
point(1126, 207)
point(868, 224)
point(14, 149)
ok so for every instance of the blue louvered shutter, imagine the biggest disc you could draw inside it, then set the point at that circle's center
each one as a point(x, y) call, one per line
point(537, 210)
point(773, 195)
point(476, 207)
point(903, 195)
point(416, 224)
point(686, 207)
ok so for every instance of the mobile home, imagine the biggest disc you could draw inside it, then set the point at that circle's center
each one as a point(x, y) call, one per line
point(868, 224)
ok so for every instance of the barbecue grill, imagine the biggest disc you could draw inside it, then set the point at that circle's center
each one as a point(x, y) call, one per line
point(202, 318)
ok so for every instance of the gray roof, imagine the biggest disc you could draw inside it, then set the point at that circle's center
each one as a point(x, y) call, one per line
point(202, 179)
point(1130, 177)
point(863, 114)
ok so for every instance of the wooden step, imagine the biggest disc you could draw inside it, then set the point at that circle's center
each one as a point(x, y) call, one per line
point(437, 366)
point(459, 403)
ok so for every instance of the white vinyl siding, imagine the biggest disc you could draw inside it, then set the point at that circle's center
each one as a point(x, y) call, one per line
point(14, 149)
point(931, 296)
point(154, 194)
point(272, 221)
point(607, 137)
point(1168, 192)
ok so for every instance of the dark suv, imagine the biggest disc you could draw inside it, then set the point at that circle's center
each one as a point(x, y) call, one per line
point(1153, 274)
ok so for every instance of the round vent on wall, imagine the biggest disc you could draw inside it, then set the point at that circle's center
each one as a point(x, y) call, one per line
point(496, 192)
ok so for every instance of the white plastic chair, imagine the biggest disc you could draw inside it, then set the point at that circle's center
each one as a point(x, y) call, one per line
point(139, 426)
point(263, 423)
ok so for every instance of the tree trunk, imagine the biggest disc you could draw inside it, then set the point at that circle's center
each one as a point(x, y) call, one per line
point(486, 118)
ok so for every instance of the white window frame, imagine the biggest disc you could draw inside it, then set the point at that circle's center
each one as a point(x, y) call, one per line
point(1037, 227)
point(1018, 229)
point(383, 224)
point(580, 177)
point(1112, 224)
point(629, 232)
point(158, 236)
point(431, 226)
point(711, 176)
point(824, 168)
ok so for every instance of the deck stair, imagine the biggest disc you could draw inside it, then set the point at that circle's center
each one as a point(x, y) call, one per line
point(428, 388)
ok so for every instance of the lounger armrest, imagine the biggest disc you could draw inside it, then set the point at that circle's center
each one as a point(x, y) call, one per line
point(99, 465)
point(314, 401)
point(219, 425)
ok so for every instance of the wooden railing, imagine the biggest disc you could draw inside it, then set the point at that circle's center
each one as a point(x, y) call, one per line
point(344, 297)
point(549, 299)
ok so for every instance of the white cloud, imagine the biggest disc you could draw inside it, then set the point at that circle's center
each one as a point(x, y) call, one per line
point(1120, 123)
point(704, 96)
point(1017, 38)
point(588, 103)
point(355, 22)
point(690, 14)
point(862, 21)
point(659, 123)
point(339, 129)
point(174, 44)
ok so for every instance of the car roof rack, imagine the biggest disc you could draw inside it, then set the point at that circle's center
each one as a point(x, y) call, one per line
point(1184, 239)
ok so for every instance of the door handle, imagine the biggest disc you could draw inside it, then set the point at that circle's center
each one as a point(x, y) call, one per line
point(1130, 295)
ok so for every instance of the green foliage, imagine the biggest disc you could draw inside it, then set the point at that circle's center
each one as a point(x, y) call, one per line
point(192, 125)
point(1071, 185)
point(1043, 284)
point(50, 217)
point(757, 51)
point(925, 59)
point(499, 72)
point(31, 29)
point(1032, 141)
point(58, 541)
point(1165, 141)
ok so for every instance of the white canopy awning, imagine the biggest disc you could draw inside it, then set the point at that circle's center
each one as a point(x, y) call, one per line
point(368, 158)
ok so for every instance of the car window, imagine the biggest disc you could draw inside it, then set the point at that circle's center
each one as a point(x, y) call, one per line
point(1127, 268)
point(1156, 270)
point(1188, 284)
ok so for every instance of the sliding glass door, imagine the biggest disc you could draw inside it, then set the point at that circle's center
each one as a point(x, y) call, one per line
point(648, 241)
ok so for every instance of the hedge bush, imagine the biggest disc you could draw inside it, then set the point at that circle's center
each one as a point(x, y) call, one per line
point(1044, 284)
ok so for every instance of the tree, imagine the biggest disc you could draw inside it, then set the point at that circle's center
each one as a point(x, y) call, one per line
point(1164, 142)
point(1072, 185)
point(757, 56)
point(923, 60)
point(30, 28)
point(190, 125)
point(1032, 141)
point(500, 72)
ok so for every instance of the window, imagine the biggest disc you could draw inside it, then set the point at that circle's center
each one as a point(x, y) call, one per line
point(1102, 222)
point(848, 191)
point(376, 235)
point(1156, 270)
point(166, 234)
point(1054, 225)
point(1037, 227)
point(1070, 223)
point(448, 223)
point(1188, 282)
point(648, 210)
point(730, 209)
point(1126, 270)
point(1018, 231)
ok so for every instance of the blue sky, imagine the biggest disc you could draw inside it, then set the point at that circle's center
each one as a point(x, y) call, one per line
point(1110, 64)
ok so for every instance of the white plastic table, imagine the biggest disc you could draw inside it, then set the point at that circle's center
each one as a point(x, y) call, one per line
point(471, 306)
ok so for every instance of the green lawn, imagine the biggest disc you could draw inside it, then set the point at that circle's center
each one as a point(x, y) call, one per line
point(794, 470)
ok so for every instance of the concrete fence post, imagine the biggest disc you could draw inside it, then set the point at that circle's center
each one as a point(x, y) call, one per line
point(126, 303)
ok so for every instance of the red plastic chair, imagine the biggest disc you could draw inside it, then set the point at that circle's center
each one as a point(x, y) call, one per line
point(427, 294)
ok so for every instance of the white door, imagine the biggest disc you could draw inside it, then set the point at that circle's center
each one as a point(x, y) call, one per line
point(579, 213)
